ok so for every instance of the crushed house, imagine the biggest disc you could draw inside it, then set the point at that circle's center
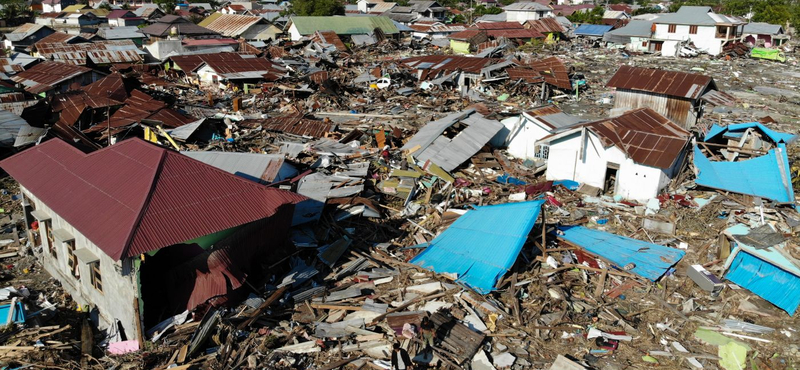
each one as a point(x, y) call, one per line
point(633, 156)
point(460, 71)
point(764, 34)
point(49, 77)
point(145, 241)
point(676, 95)
point(242, 26)
point(523, 131)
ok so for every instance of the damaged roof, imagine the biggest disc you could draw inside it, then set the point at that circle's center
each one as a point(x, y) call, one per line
point(45, 75)
point(430, 143)
point(554, 72)
point(99, 52)
point(672, 83)
point(297, 125)
point(433, 64)
point(261, 168)
point(164, 25)
point(546, 25)
point(233, 25)
point(140, 106)
point(128, 198)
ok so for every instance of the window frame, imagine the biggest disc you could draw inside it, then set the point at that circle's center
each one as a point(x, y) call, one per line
point(96, 276)
point(692, 30)
point(672, 28)
point(48, 234)
point(72, 259)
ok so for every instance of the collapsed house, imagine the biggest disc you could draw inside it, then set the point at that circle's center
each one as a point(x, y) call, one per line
point(453, 139)
point(142, 230)
point(633, 156)
point(746, 158)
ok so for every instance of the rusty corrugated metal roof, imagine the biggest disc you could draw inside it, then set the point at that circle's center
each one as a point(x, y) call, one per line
point(233, 25)
point(515, 34)
point(111, 86)
point(70, 105)
point(499, 26)
point(546, 25)
point(554, 72)
point(719, 98)
point(526, 74)
point(645, 136)
point(672, 83)
point(135, 197)
point(544, 111)
point(43, 76)
point(99, 52)
point(140, 106)
point(329, 37)
point(433, 64)
point(297, 125)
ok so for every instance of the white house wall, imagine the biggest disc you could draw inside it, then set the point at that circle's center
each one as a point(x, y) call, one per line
point(705, 39)
point(119, 283)
point(206, 74)
point(294, 33)
point(634, 181)
point(522, 139)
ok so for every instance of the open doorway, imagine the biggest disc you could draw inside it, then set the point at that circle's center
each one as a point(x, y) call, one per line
point(610, 181)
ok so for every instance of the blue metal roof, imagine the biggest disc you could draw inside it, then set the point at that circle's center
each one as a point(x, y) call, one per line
point(762, 271)
point(767, 176)
point(482, 244)
point(651, 260)
point(777, 137)
point(592, 29)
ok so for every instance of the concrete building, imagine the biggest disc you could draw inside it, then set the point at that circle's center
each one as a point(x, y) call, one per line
point(527, 11)
point(698, 25)
point(127, 246)
point(633, 156)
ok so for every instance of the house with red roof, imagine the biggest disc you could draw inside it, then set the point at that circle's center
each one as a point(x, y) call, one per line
point(137, 233)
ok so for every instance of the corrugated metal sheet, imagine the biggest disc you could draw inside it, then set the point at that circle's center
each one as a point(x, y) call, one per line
point(140, 106)
point(297, 125)
point(678, 109)
point(499, 26)
point(718, 98)
point(111, 86)
point(450, 153)
point(10, 126)
point(593, 30)
point(432, 65)
point(99, 52)
point(514, 34)
point(546, 25)
point(233, 25)
point(768, 176)
point(672, 83)
point(481, 245)
point(526, 74)
point(135, 197)
point(186, 28)
point(344, 25)
point(554, 72)
point(760, 270)
point(23, 31)
point(43, 76)
point(262, 168)
point(644, 136)
point(650, 261)
point(329, 37)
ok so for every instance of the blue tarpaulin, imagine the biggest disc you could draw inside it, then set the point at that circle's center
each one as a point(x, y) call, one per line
point(592, 30)
point(19, 313)
point(767, 176)
point(650, 260)
point(480, 246)
point(767, 272)
point(740, 128)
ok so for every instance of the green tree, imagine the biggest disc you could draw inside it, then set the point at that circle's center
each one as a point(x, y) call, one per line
point(126, 6)
point(594, 16)
point(507, 2)
point(168, 6)
point(14, 11)
point(105, 6)
point(317, 7)
point(646, 10)
point(482, 10)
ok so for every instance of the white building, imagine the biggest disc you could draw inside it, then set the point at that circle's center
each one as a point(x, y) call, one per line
point(522, 132)
point(527, 11)
point(698, 25)
point(633, 156)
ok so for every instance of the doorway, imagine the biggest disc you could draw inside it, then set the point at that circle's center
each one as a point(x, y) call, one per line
point(610, 180)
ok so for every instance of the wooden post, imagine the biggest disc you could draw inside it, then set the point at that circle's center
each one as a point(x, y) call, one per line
point(139, 331)
point(543, 246)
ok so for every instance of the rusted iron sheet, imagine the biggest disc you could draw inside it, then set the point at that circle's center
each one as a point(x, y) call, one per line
point(672, 83)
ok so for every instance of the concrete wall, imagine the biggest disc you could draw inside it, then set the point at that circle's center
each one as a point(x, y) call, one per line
point(206, 74)
point(636, 44)
point(294, 33)
point(523, 16)
point(522, 137)
point(634, 181)
point(115, 302)
point(705, 39)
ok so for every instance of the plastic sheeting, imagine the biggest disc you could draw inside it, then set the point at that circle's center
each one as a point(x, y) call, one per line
point(482, 244)
point(650, 260)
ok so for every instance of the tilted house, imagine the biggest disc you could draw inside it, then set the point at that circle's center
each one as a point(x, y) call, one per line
point(145, 232)
point(676, 95)
point(699, 25)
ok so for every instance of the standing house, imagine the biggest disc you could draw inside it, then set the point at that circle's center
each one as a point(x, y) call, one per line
point(764, 34)
point(51, 77)
point(467, 41)
point(527, 11)
point(247, 27)
point(521, 133)
point(50, 6)
point(699, 25)
point(26, 35)
point(428, 9)
point(300, 27)
point(146, 232)
point(633, 156)
point(173, 26)
point(675, 95)
point(635, 36)
point(121, 18)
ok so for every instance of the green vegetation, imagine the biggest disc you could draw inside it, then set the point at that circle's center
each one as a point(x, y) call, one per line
point(594, 16)
point(317, 7)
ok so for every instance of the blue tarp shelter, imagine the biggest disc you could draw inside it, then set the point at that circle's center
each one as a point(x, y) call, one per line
point(482, 245)
point(651, 260)
point(769, 273)
point(768, 176)
point(593, 30)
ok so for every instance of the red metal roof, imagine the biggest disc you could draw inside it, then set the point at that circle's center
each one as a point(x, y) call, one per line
point(140, 106)
point(526, 74)
point(554, 72)
point(645, 136)
point(546, 25)
point(329, 37)
point(515, 34)
point(296, 124)
point(201, 42)
point(672, 83)
point(45, 75)
point(499, 26)
point(71, 104)
point(135, 197)
point(100, 52)
point(111, 86)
